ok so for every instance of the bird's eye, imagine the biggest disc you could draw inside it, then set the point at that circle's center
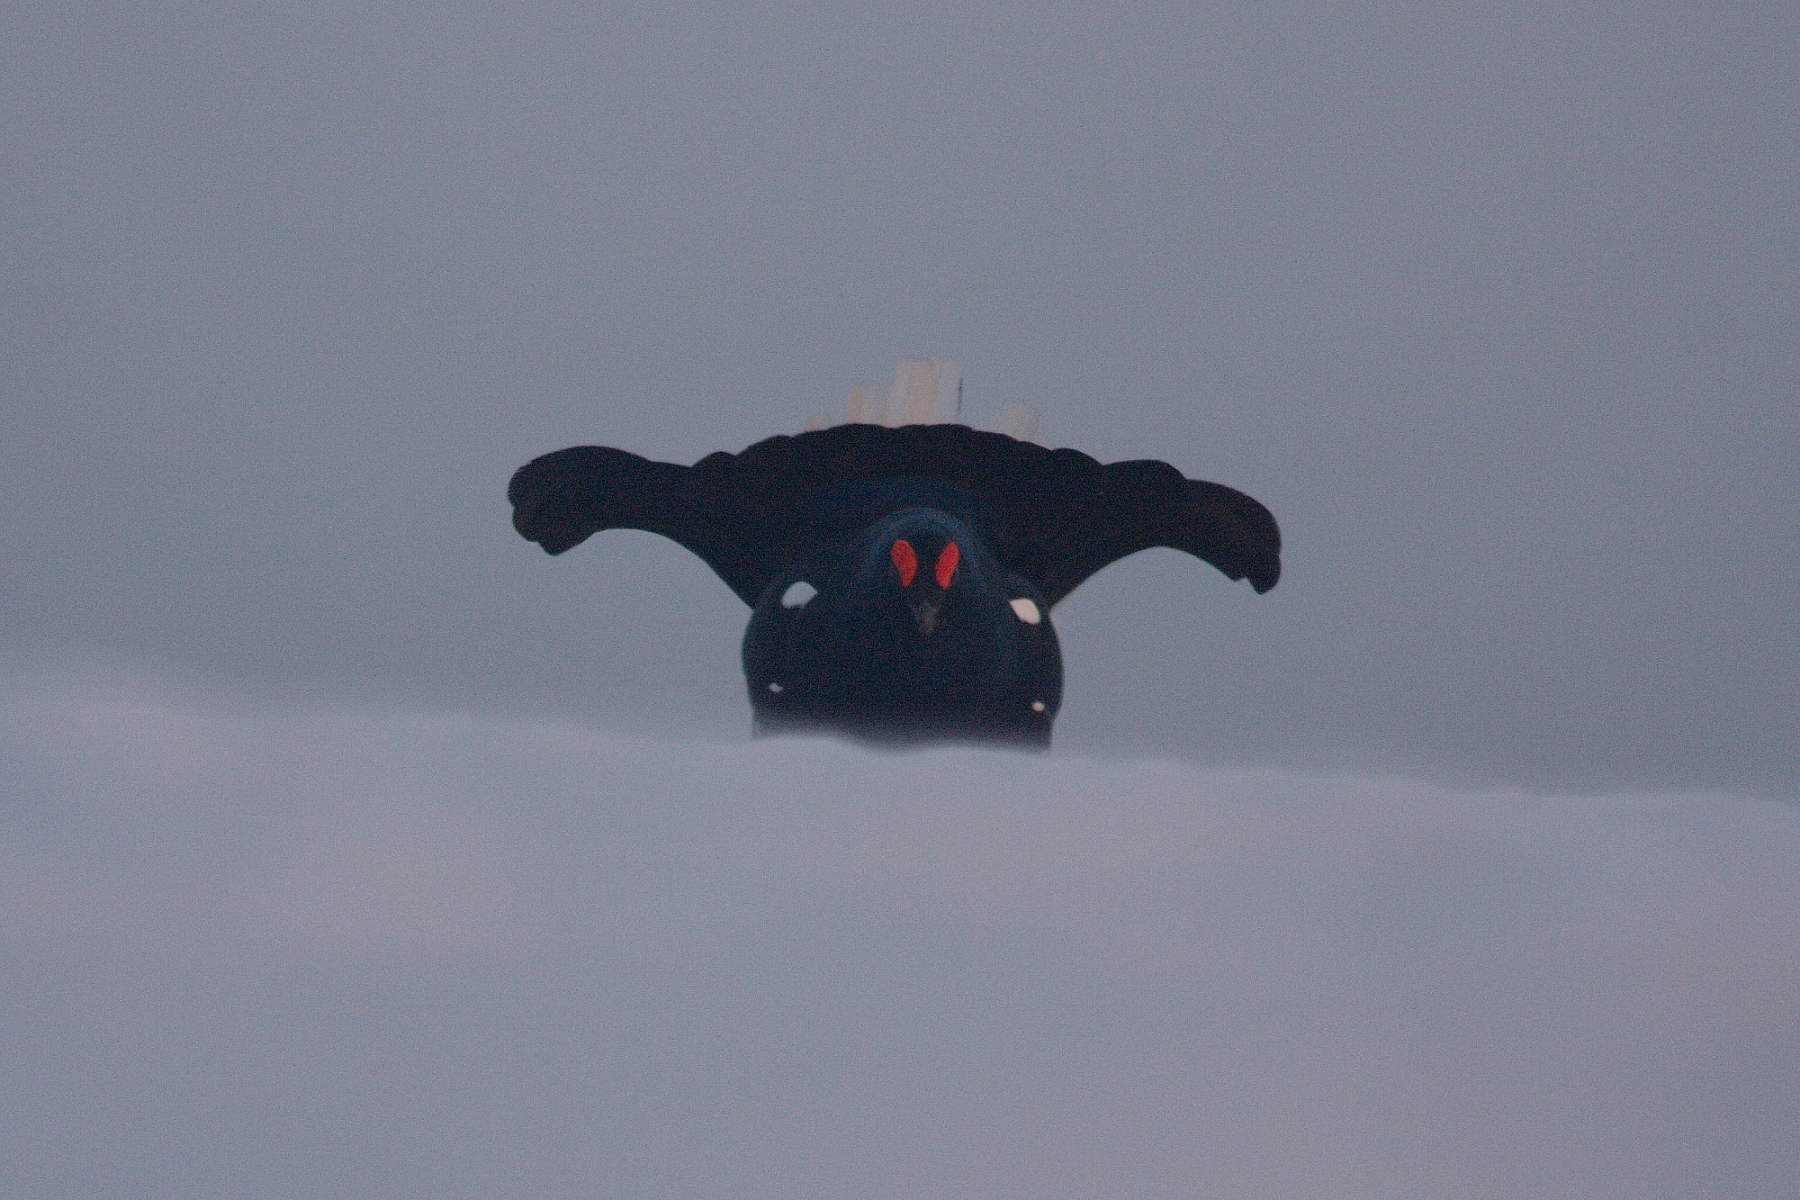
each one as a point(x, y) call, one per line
point(906, 561)
point(946, 564)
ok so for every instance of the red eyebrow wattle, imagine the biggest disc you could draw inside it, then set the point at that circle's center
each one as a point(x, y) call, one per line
point(946, 564)
point(906, 561)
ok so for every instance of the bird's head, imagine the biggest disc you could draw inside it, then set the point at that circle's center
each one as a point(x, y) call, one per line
point(925, 562)
point(911, 630)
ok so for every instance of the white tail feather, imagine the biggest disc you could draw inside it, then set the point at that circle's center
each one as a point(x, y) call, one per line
point(926, 391)
point(1017, 421)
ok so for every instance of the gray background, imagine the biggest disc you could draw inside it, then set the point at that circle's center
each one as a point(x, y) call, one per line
point(1497, 313)
point(349, 846)
point(336, 955)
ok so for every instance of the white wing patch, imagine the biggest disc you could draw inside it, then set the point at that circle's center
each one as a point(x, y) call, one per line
point(1025, 608)
point(800, 592)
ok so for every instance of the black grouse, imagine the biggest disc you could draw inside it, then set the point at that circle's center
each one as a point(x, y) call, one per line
point(901, 578)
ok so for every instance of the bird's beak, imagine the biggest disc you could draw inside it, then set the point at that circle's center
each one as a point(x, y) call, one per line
point(925, 612)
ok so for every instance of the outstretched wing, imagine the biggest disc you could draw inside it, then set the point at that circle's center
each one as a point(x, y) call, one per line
point(1094, 515)
point(560, 500)
point(1058, 516)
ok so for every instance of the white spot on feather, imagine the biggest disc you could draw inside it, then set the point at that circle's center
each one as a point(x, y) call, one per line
point(775, 687)
point(1026, 609)
point(798, 594)
point(1037, 706)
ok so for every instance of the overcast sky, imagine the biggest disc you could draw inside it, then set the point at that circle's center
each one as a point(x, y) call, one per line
point(357, 846)
point(1496, 313)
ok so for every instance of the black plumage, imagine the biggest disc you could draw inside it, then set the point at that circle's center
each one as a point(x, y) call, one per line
point(868, 652)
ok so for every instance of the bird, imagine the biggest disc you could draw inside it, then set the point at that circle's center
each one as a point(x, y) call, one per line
point(900, 579)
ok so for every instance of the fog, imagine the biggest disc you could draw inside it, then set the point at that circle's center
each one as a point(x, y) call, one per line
point(420, 956)
point(349, 846)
